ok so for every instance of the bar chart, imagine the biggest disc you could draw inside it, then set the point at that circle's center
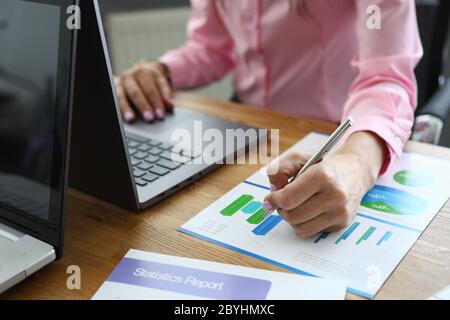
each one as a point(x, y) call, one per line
point(236, 205)
point(385, 238)
point(247, 205)
point(321, 236)
point(359, 233)
point(366, 235)
point(267, 225)
point(356, 234)
point(348, 232)
point(390, 219)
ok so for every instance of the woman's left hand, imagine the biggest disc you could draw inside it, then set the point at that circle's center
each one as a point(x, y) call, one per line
point(327, 196)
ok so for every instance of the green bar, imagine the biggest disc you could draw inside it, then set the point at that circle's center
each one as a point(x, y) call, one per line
point(345, 234)
point(340, 238)
point(364, 235)
point(236, 205)
point(257, 217)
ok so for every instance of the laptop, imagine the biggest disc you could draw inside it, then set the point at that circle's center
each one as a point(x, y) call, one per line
point(36, 68)
point(135, 166)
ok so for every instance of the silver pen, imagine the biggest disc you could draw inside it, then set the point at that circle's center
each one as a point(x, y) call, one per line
point(324, 149)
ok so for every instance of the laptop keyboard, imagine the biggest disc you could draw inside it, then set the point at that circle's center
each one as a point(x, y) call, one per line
point(152, 159)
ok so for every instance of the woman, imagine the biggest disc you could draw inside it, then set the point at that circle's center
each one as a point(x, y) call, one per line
point(322, 59)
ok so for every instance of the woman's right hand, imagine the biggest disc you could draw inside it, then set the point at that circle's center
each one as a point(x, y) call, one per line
point(146, 88)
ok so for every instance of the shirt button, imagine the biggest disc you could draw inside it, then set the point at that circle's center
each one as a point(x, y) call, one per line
point(398, 141)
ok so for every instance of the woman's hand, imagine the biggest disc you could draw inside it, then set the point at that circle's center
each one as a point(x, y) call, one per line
point(146, 87)
point(327, 196)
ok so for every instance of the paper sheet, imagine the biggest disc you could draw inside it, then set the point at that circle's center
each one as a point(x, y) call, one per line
point(444, 294)
point(390, 219)
point(145, 275)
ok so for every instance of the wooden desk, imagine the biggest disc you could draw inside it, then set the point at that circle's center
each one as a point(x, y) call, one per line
point(98, 234)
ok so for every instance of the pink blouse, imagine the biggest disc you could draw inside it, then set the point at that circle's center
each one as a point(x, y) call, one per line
point(323, 60)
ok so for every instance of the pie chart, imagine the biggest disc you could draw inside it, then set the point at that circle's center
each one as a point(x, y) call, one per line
point(393, 201)
point(413, 178)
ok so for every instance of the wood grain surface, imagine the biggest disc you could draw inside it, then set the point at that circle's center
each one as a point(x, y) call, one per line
point(98, 234)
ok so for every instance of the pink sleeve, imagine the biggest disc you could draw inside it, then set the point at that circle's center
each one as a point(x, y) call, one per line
point(383, 97)
point(207, 54)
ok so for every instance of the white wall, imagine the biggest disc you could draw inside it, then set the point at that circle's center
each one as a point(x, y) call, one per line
point(148, 34)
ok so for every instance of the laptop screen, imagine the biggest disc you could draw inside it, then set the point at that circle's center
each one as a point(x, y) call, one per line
point(35, 64)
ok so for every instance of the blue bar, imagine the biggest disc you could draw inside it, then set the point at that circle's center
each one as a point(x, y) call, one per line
point(267, 225)
point(323, 235)
point(318, 238)
point(347, 232)
point(252, 207)
point(350, 230)
point(385, 237)
point(370, 233)
point(389, 235)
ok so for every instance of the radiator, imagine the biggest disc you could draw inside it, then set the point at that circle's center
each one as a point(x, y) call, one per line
point(133, 36)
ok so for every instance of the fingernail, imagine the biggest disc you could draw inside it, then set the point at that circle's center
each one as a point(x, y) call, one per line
point(267, 206)
point(148, 116)
point(171, 101)
point(129, 116)
point(160, 113)
point(273, 187)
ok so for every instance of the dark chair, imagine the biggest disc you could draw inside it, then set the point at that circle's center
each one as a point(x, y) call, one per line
point(434, 87)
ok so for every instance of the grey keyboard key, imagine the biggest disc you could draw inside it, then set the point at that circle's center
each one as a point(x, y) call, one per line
point(174, 157)
point(166, 146)
point(144, 147)
point(168, 164)
point(150, 177)
point(138, 173)
point(135, 162)
point(145, 166)
point(133, 144)
point(141, 182)
point(140, 155)
point(155, 151)
point(153, 143)
point(180, 159)
point(166, 155)
point(151, 159)
point(160, 171)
